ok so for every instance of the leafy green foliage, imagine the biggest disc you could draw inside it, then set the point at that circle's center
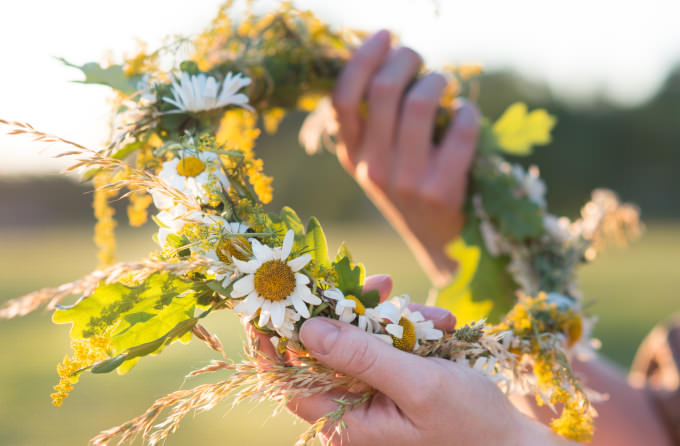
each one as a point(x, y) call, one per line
point(180, 330)
point(351, 282)
point(113, 76)
point(483, 287)
point(315, 239)
point(134, 316)
point(517, 216)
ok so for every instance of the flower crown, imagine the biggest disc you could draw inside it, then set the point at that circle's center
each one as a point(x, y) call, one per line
point(184, 139)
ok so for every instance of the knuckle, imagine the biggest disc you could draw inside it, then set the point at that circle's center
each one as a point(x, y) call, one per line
point(405, 187)
point(434, 197)
point(383, 86)
point(418, 103)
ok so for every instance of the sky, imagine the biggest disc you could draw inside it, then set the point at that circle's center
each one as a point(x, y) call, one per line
point(619, 48)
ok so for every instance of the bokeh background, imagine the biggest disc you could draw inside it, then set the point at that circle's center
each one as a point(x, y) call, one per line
point(609, 71)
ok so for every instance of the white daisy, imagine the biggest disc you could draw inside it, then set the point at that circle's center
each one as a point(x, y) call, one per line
point(344, 307)
point(202, 93)
point(349, 307)
point(198, 175)
point(272, 283)
point(406, 327)
point(172, 221)
point(287, 329)
point(226, 248)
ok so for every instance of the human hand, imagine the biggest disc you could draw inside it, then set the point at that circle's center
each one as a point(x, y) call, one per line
point(419, 187)
point(419, 400)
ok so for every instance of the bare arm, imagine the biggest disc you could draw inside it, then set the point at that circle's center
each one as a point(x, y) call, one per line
point(628, 417)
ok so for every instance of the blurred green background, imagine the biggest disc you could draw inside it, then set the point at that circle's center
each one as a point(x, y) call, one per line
point(45, 232)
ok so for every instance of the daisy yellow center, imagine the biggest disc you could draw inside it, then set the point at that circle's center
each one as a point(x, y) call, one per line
point(232, 247)
point(408, 339)
point(190, 166)
point(359, 309)
point(274, 280)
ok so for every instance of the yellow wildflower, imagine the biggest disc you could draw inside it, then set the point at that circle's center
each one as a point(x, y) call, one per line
point(85, 353)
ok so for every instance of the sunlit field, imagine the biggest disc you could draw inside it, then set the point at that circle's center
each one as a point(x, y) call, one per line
point(631, 290)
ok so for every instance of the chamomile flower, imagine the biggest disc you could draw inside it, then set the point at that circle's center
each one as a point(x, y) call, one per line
point(198, 175)
point(272, 283)
point(406, 327)
point(200, 92)
point(344, 306)
point(227, 247)
point(172, 221)
point(349, 307)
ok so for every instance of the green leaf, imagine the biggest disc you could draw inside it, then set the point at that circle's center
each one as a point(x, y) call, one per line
point(517, 130)
point(315, 240)
point(113, 76)
point(518, 217)
point(482, 287)
point(370, 299)
point(343, 251)
point(155, 346)
point(287, 220)
point(133, 315)
point(488, 141)
point(349, 278)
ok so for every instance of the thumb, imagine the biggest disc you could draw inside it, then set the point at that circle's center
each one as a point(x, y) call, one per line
point(403, 377)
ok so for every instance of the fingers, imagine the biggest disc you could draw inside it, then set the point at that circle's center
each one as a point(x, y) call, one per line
point(315, 406)
point(382, 283)
point(352, 86)
point(410, 381)
point(384, 97)
point(441, 317)
point(414, 138)
point(447, 184)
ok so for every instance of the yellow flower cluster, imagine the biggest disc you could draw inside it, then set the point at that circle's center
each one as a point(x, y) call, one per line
point(104, 235)
point(136, 210)
point(85, 353)
point(535, 319)
point(541, 315)
point(238, 131)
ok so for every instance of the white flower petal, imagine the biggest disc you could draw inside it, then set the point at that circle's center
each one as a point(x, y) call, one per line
point(265, 312)
point(299, 305)
point(395, 330)
point(243, 286)
point(308, 296)
point(300, 262)
point(387, 310)
point(301, 279)
point(248, 267)
point(287, 244)
point(333, 293)
point(278, 311)
point(249, 305)
point(431, 334)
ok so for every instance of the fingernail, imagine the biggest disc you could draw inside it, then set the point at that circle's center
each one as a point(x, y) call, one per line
point(319, 336)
